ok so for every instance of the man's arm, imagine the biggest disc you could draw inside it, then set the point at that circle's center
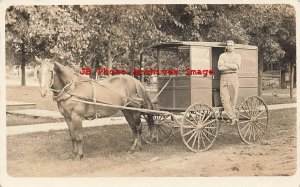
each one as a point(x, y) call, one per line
point(231, 66)
point(236, 65)
point(221, 64)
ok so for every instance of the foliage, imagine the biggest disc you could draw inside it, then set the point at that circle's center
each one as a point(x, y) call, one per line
point(270, 27)
point(97, 35)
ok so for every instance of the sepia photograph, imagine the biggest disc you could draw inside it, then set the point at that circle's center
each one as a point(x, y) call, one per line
point(149, 90)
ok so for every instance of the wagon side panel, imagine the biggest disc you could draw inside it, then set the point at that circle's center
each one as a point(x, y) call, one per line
point(182, 92)
point(177, 94)
point(248, 73)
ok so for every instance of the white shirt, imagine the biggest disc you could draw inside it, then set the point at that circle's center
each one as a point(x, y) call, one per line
point(229, 58)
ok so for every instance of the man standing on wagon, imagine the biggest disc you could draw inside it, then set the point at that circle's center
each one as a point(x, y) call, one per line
point(228, 65)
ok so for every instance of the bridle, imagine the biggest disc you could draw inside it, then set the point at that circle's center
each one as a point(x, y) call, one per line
point(52, 81)
point(61, 91)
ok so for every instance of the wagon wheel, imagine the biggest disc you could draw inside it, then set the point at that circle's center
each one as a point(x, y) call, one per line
point(161, 132)
point(199, 127)
point(253, 119)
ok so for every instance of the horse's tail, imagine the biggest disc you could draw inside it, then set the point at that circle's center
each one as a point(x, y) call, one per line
point(150, 120)
point(147, 104)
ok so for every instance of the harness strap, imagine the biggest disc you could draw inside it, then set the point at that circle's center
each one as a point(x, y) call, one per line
point(94, 98)
point(124, 97)
point(61, 92)
point(94, 92)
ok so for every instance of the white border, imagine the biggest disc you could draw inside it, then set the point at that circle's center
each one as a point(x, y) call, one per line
point(6, 180)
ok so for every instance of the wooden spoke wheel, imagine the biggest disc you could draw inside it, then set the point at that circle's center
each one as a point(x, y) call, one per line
point(199, 127)
point(161, 132)
point(253, 117)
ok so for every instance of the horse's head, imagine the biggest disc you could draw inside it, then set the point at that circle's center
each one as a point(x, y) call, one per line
point(45, 75)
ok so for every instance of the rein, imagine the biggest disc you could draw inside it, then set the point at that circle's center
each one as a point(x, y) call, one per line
point(52, 82)
point(124, 97)
point(60, 92)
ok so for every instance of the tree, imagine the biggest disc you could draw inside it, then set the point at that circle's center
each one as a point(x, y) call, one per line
point(115, 35)
point(287, 39)
point(270, 27)
point(120, 32)
point(18, 41)
point(36, 30)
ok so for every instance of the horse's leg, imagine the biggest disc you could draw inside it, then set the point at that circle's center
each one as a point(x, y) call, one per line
point(138, 126)
point(77, 124)
point(72, 134)
point(129, 117)
point(150, 123)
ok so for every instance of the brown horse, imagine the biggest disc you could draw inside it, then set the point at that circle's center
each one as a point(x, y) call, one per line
point(122, 90)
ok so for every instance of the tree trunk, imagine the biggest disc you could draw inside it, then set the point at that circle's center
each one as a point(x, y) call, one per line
point(94, 66)
point(131, 54)
point(109, 58)
point(23, 64)
point(142, 66)
point(291, 80)
point(260, 69)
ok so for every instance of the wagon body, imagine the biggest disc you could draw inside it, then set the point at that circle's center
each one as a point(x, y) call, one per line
point(184, 90)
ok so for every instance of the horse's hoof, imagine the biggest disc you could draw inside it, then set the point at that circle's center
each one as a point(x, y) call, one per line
point(74, 156)
point(80, 157)
point(75, 153)
point(132, 150)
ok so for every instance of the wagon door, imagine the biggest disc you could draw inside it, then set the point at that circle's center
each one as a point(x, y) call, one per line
point(201, 86)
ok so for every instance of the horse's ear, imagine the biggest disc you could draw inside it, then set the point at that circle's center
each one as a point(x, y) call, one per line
point(50, 63)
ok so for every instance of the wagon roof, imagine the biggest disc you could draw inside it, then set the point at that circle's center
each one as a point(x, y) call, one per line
point(174, 45)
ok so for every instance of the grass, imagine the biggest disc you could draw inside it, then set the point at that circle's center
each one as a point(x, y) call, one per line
point(274, 101)
point(49, 153)
point(15, 120)
point(107, 140)
point(280, 91)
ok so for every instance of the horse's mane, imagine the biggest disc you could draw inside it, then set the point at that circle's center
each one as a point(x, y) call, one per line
point(113, 79)
point(70, 71)
point(116, 78)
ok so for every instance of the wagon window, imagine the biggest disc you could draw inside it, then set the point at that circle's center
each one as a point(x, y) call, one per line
point(184, 60)
point(175, 59)
point(200, 58)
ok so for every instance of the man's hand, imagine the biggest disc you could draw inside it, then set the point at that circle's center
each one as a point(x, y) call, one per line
point(231, 66)
point(223, 68)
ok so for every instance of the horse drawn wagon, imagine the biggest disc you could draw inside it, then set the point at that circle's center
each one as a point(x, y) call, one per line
point(194, 95)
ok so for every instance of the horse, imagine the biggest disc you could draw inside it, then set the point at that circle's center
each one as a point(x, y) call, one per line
point(69, 88)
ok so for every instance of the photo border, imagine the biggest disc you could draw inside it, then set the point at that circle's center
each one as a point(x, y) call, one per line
point(6, 180)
